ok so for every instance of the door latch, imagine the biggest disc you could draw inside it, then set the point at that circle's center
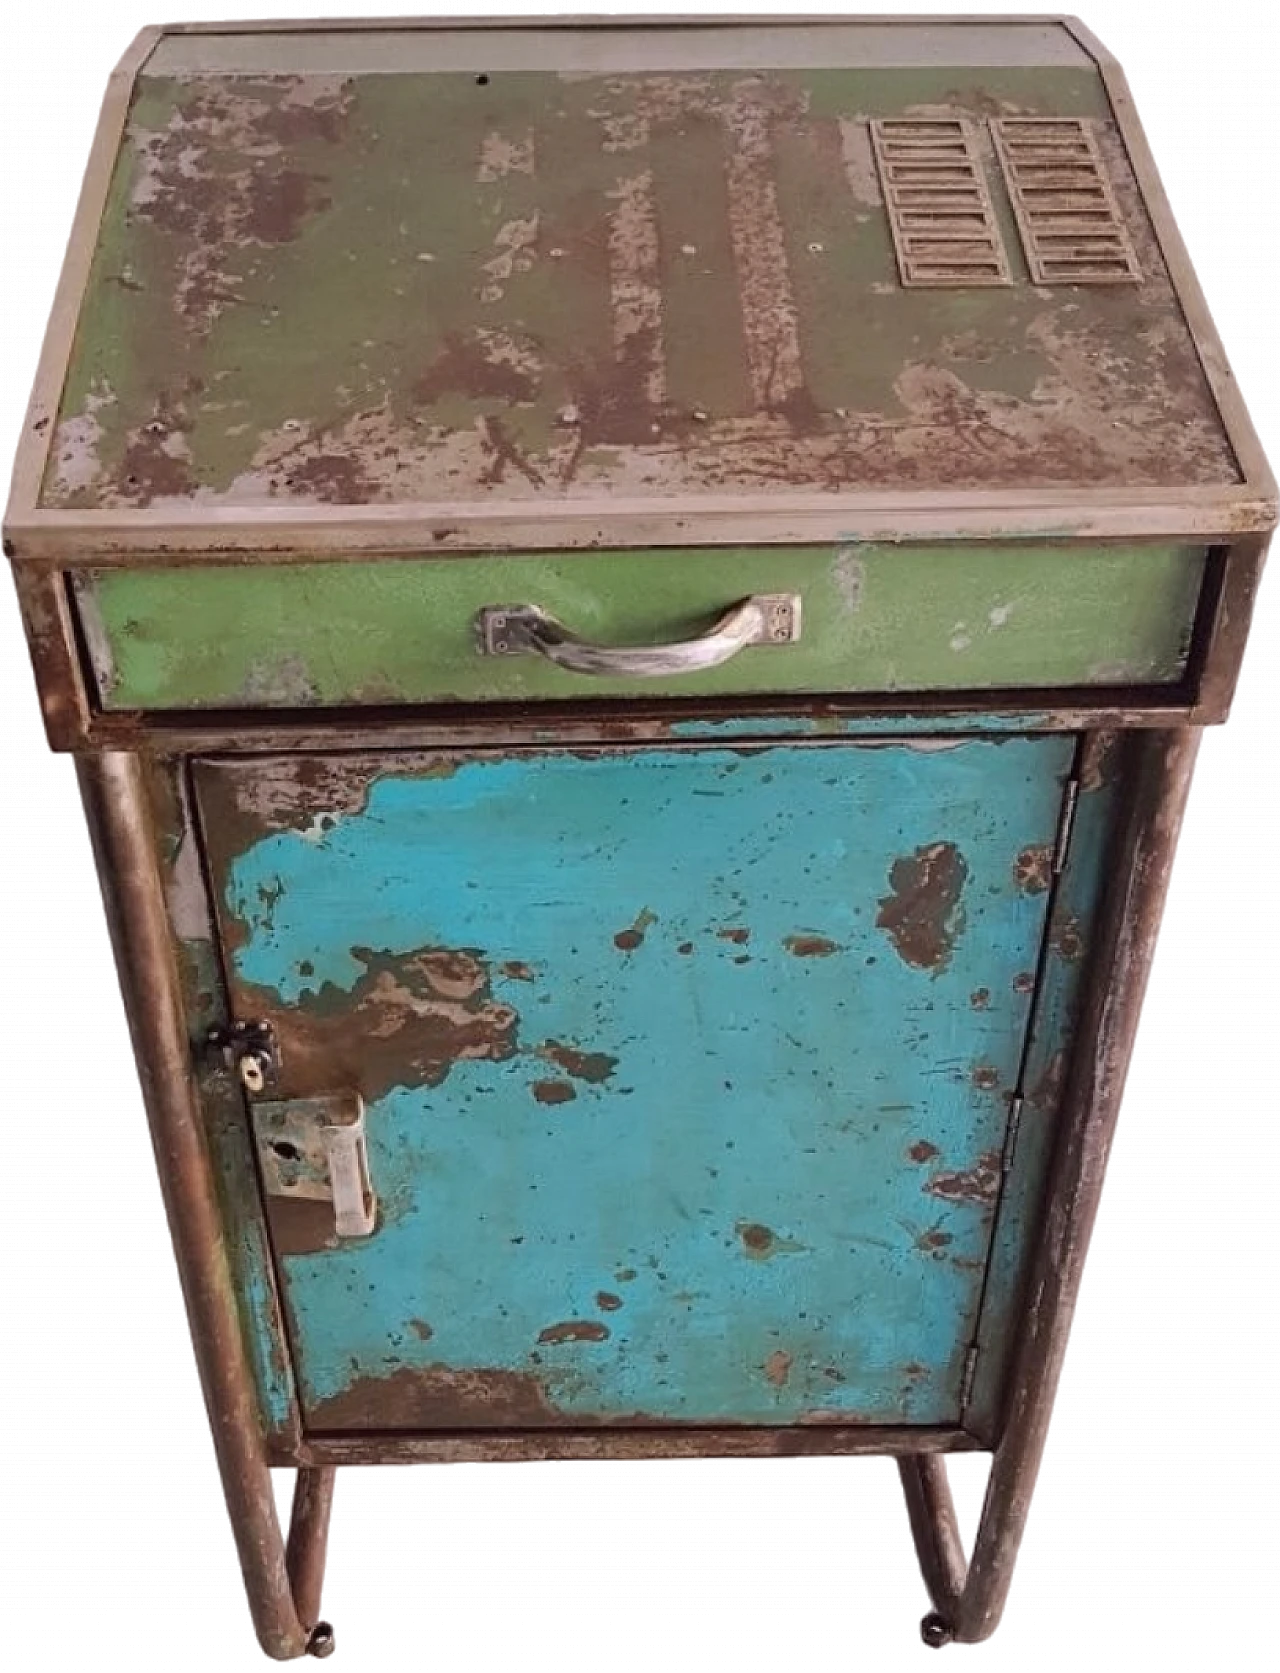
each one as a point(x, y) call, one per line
point(250, 1049)
point(314, 1149)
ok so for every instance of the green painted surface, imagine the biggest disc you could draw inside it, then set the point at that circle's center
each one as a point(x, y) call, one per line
point(874, 618)
point(383, 288)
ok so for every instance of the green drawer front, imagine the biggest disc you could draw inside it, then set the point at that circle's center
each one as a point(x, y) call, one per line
point(875, 619)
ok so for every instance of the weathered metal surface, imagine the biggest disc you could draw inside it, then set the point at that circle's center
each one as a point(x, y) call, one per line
point(308, 1543)
point(476, 1446)
point(709, 1143)
point(323, 288)
point(875, 619)
point(199, 971)
point(121, 824)
point(1067, 950)
point(1155, 771)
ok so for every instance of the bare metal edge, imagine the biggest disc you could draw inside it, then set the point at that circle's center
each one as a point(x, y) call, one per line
point(606, 20)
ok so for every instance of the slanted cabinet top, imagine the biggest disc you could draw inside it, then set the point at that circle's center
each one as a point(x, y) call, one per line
point(537, 267)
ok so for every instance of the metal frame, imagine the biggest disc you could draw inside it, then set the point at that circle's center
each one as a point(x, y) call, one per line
point(283, 1581)
point(283, 1576)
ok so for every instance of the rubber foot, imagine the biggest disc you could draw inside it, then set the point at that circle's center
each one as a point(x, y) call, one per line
point(935, 1632)
point(321, 1643)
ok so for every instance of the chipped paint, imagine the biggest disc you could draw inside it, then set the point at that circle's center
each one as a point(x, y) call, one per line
point(1033, 868)
point(694, 1173)
point(679, 254)
point(923, 915)
point(404, 631)
point(980, 1183)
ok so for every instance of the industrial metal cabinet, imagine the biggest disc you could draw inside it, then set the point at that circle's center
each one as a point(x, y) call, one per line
point(634, 603)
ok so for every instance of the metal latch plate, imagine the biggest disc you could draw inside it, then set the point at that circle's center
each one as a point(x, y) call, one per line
point(314, 1149)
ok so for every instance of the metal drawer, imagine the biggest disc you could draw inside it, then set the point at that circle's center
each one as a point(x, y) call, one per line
point(871, 618)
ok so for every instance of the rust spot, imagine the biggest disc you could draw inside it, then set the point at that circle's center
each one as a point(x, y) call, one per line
point(923, 1151)
point(627, 940)
point(421, 1329)
point(934, 1238)
point(406, 1022)
point(980, 998)
point(1033, 869)
point(810, 946)
point(466, 366)
point(626, 1275)
point(739, 936)
point(553, 1092)
point(439, 1397)
point(777, 1368)
point(514, 971)
point(156, 463)
point(1067, 939)
point(277, 205)
point(332, 478)
point(607, 1302)
point(759, 1239)
point(593, 1066)
point(923, 915)
point(761, 1243)
point(1024, 981)
point(984, 1077)
point(685, 948)
point(1047, 1092)
point(1100, 764)
point(575, 1330)
point(980, 1183)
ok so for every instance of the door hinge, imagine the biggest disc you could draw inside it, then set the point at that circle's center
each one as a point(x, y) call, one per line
point(968, 1376)
point(1011, 1133)
point(1066, 825)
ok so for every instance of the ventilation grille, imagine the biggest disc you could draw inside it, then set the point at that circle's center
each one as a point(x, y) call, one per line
point(1072, 229)
point(944, 228)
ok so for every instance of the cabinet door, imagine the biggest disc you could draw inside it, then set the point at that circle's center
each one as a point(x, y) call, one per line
point(687, 1071)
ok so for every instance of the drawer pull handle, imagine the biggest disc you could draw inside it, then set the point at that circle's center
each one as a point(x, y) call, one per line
point(524, 629)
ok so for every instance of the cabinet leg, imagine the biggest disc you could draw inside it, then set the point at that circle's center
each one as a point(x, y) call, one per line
point(124, 844)
point(934, 1524)
point(306, 1552)
point(969, 1600)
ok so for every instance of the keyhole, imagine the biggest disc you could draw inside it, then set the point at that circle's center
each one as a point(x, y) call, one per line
point(285, 1151)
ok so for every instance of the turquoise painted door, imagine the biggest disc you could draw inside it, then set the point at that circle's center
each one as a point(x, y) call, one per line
point(687, 1070)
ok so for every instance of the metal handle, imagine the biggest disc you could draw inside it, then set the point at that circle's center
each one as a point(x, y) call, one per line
point(315, 1149)
point(524, 629)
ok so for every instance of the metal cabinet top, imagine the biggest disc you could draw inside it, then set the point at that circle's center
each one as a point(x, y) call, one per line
point(563, 284)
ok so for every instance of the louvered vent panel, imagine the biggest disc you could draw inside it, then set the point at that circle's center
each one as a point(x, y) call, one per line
point(944, 228)
point(1072, 229)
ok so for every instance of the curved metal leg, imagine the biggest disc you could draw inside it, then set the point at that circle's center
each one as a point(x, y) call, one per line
point(968, 1601)
point(120, 824)
point(306, 1552)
